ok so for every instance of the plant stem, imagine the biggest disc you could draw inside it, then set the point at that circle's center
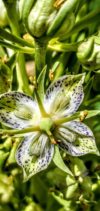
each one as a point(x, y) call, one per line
point(64, 47)
point(17, 48)
point(40, 54)
point(21, 72)
point(80, 115)
point(67, 119)
point(15, 39)
point(21, 76)
point(21, 131)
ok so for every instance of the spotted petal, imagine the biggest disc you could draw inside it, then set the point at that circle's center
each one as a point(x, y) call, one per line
point(17, 110)
point(65, 95)
point(76, 139)
point(34, 154)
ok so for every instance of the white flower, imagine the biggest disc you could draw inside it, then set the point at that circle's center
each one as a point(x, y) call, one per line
point(61, 101)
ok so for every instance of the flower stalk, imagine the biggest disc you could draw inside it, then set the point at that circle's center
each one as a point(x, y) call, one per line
point(40, 54)
point(14, 25)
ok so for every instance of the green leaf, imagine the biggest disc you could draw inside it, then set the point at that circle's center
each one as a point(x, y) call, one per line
point(14, 39)
point(92, 113)
point(41, 80)
point(57, 159)
point(63, 202)
point(17, 48)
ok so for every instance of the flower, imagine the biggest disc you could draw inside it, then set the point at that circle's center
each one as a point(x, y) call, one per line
point(47, 123)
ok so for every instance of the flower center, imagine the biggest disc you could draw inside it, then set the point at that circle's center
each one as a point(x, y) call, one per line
point(46, 124)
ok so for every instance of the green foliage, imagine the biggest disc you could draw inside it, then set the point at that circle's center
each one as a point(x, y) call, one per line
point(58, 38)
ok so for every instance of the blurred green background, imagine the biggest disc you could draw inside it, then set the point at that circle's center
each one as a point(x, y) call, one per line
point(53, 189)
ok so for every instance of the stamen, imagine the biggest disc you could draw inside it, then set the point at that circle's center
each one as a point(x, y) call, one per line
point(58, 3)
point(53, 141)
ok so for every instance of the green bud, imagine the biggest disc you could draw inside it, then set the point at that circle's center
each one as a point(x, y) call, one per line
point(38, 17)
point(85, 49)
point(88, 53)
point(71, 190)
point(70, 180)
point(47, 17)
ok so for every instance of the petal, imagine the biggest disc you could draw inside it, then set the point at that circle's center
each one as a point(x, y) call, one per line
point(17, 110)
point(34, 154)
point(76, 139)
point(64, 96)
point(78, 127)
point(85, 145)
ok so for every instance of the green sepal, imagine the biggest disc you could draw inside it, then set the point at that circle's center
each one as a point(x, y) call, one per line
point(40, 81)
point(85, 50)
point(64, 11)
point(57, 159)
point(25, 8)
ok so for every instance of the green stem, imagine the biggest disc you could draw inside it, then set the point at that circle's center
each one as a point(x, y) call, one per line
point(17, 48)
point(67, 119)
point(21, 71)
point(80, 115)
point(64, 47)
point(15, 39)
point(17, 132)
point(40, 54)
point(21, 76)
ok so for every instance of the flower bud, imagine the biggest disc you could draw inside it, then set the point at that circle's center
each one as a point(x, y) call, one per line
point(70, 193)
point(45, 18)
point(88, 53)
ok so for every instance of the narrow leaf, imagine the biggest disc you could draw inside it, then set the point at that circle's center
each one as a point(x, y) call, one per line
point(92, 113)
point(57, 159)
point(62, 201)
point(41, 80)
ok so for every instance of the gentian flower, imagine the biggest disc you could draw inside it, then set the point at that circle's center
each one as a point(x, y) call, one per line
point(47, 123)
